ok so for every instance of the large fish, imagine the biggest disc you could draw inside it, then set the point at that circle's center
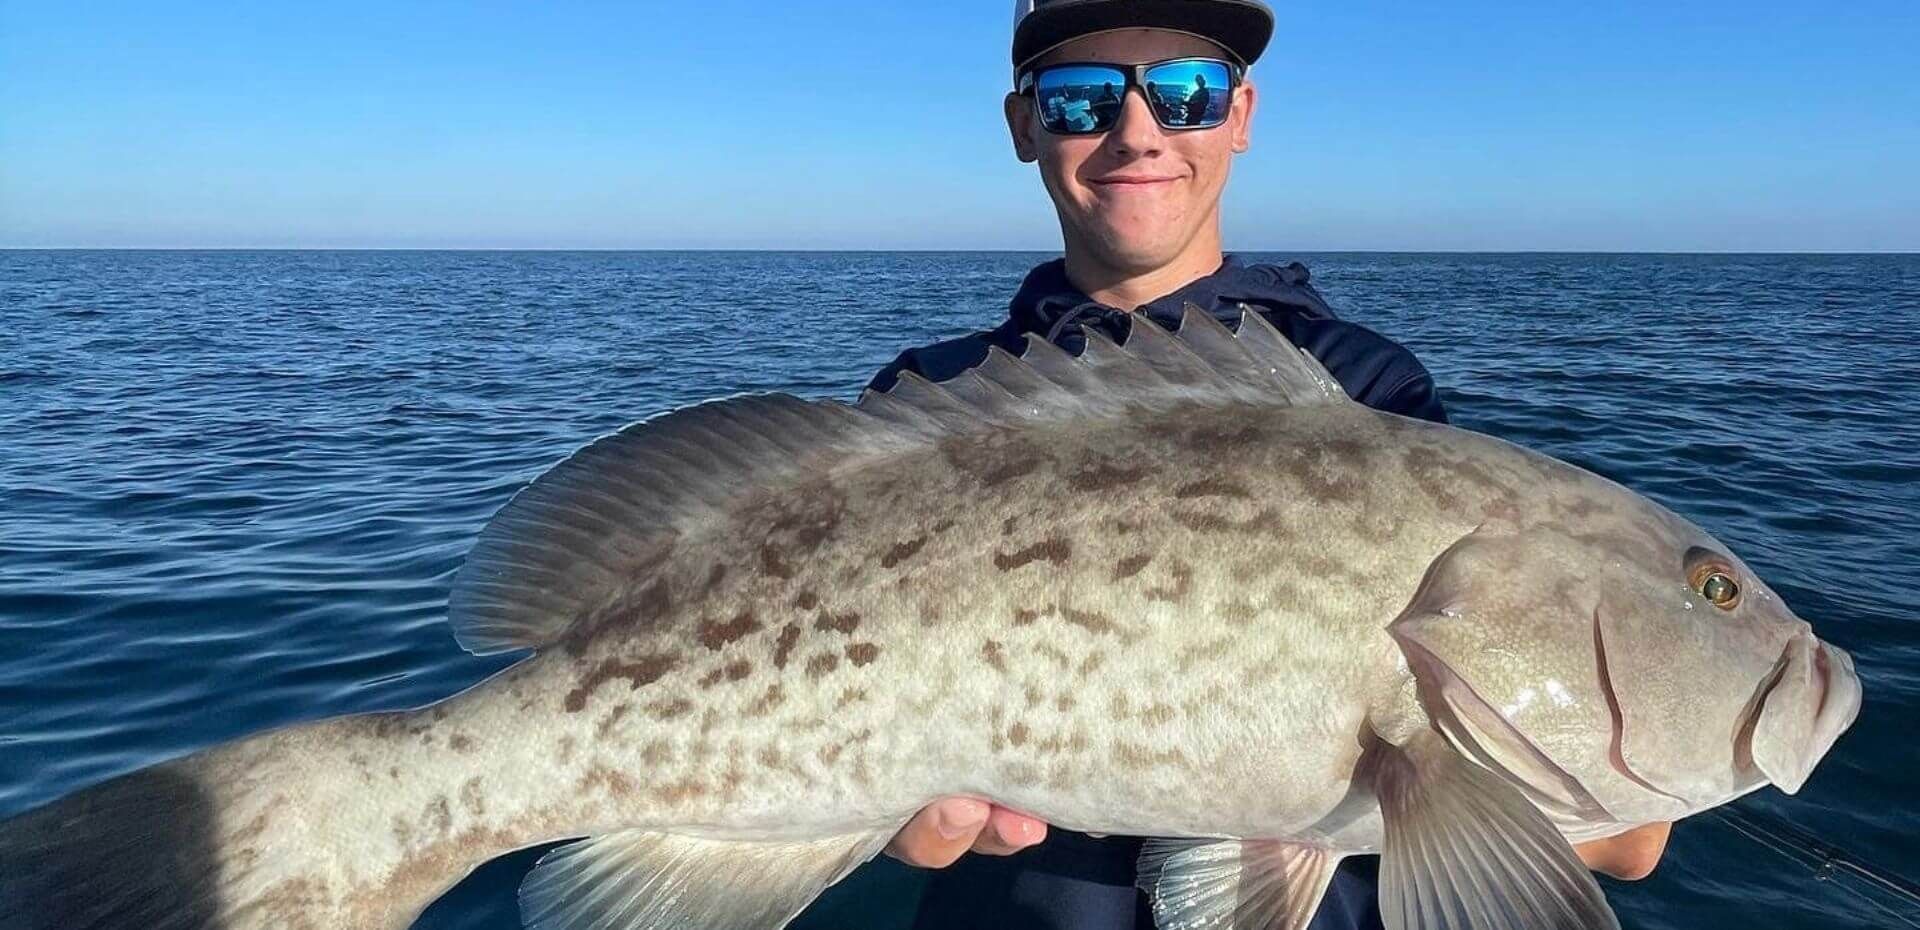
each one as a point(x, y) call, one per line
point(1183, 588)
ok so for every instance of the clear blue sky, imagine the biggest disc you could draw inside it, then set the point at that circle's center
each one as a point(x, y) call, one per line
point(1708, 125)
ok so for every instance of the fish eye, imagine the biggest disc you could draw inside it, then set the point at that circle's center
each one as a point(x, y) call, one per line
point(1720, 589)
point(1711, 575)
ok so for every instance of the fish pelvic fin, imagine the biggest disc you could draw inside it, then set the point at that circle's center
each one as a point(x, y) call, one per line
point(1234, 884)
point(583, 540)
point(1465, 850)
point(641, 878)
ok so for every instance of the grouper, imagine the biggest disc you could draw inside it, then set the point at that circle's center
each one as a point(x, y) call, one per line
point(1180, 588)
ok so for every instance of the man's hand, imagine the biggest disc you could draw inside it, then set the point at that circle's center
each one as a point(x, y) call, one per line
point(946, 829)
point(1630, 855)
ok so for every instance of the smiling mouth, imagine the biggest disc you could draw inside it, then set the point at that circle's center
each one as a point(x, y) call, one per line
point(1131, 182)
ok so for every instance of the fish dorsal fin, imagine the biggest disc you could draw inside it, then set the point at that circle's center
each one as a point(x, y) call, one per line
point(583, 536)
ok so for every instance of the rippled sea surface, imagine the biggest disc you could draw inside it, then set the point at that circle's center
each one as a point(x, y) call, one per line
point(234, 486)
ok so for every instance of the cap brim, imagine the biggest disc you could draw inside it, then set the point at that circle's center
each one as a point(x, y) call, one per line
point(1242, 27)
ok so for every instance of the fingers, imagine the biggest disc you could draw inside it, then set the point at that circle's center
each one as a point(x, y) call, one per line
point(1007, 832)
point(945, 830)
point(1631, 855)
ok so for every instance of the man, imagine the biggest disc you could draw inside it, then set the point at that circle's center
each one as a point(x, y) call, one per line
point(1198, 101)
point(1138, 199)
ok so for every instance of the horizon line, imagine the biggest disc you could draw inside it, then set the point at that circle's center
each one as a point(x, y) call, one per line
point(935, 251)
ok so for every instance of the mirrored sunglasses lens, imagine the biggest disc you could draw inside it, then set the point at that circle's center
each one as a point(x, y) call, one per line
point(1077, 99)
point(1190, 93)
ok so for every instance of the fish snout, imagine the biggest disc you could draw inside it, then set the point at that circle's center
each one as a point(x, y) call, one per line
point(1815, 697)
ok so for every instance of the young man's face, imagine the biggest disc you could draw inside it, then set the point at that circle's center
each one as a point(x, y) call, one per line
point(1138, 196)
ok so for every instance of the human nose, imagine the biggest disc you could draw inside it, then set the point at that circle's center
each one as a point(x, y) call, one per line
point(1135, 132)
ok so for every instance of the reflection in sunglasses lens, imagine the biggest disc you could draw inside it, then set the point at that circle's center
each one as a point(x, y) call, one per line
point(1077, 98)
point(1189, 93)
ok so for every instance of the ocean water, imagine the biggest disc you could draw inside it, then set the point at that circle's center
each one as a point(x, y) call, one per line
point(234, 486)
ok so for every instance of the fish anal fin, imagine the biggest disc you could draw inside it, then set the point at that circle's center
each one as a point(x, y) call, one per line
point(1465, 850)
point(1235, 884)
point(643, 878)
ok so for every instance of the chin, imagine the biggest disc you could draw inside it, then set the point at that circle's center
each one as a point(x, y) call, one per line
point(1135, 250)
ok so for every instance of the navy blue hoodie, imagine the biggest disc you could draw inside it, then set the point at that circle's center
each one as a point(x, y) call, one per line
point(1073, 881)
point(1374, 370)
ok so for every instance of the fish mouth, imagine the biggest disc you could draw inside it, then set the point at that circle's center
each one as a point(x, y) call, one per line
point(1811, 695)
point(1616, 754)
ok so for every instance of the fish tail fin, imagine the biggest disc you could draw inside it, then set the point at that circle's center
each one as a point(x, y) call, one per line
point(138, 851)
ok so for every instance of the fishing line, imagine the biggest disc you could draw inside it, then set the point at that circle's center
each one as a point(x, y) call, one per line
point(1828, 862)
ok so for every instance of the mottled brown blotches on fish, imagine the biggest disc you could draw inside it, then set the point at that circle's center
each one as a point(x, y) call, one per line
point(1213, 440)
point(460, 743)
point(1054, 550)
point(822, 665)
point(1092, 620)
point(1090, 664)
point(669, 710)
point(783, 648)
point(1237, 612)
point(767, 702)
point(714, 636)
point(1157, 714)
point(1018, 734)
point(862, 653)
point(850, 697)
point(471, 799)
point(771, 562)
point(1136, 757)
point(1023, 616)
point(678, 792)
point(643, 671)
point(1011, 468)
point(1182, 581)
point(1207, 522)
point(1211, 487)
point(902, 552)
point(657, 752)
point(990, 650)
point(1104, 477)
point(732, 671)
point(715, 575)
point(806, 599)
point(943, 526)
point(839, 623)
point(1053, 653)
point(1131, 565)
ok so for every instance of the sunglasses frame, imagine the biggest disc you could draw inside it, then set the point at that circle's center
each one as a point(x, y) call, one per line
point(1028, 85)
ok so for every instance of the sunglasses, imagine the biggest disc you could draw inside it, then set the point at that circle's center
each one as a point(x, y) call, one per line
point(1084, 98)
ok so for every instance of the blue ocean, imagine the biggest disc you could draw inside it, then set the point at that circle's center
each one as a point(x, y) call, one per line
point(234, 486)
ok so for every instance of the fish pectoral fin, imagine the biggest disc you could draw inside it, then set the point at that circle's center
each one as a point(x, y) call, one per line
point(1465, 850)
point(644, 878)
point(1234, 884)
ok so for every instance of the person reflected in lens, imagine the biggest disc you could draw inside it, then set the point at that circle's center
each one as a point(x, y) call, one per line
point(1106, 108)
point(1199, 101)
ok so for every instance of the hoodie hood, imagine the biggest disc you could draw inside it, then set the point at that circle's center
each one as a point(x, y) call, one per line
point(1048, 304)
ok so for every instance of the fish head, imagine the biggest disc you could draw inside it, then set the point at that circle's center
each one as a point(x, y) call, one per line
point(1621, 668)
